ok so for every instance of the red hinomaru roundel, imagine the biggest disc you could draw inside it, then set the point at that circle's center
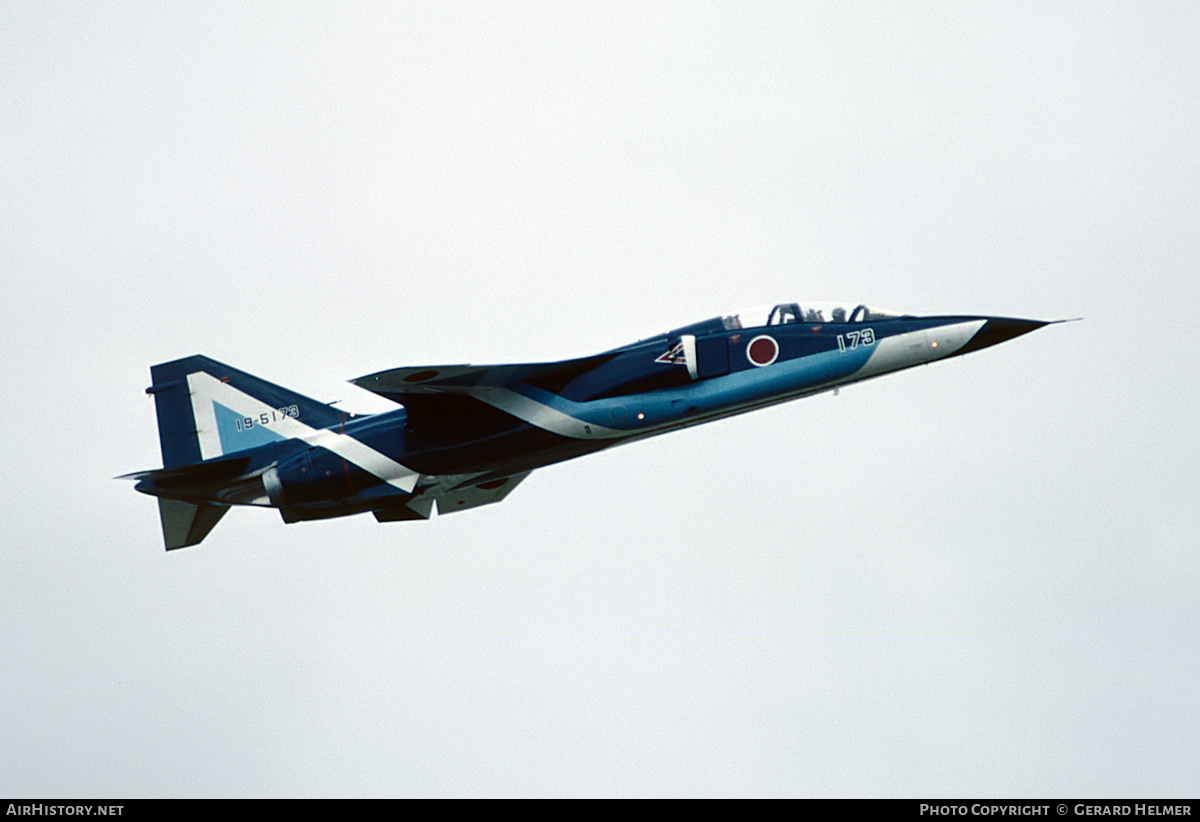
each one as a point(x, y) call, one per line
point(762, 350)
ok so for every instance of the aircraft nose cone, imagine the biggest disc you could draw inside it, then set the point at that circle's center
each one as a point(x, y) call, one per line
point(1000, 329)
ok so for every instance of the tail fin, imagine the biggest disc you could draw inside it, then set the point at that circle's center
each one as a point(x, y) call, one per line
point(207, 409)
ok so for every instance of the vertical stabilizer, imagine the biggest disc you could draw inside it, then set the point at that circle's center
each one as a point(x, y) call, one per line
point(207, 409)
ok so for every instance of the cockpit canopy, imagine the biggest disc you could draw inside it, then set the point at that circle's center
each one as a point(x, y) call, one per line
point(808, 312)
point(788, 313)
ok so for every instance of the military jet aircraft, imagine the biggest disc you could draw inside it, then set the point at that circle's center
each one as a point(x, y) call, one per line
point(466, 435)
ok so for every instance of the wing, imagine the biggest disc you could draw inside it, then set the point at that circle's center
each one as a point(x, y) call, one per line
point(451, 497)
point(397, 384)
point(438, 398)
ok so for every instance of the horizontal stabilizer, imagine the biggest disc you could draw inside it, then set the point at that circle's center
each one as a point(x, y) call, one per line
point(185, 523)
point(193, 476)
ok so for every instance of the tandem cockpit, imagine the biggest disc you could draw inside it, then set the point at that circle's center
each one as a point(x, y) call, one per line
point(821, 312)
point(791, 313)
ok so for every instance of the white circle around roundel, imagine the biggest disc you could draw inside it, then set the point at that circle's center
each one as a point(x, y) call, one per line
point(762, 350)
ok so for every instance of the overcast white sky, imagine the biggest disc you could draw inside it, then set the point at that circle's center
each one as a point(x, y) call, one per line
point(977, 578)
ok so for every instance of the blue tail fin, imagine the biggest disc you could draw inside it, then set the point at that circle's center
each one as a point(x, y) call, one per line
point(207, 409)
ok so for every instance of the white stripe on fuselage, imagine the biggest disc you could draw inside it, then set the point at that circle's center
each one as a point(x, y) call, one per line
point(916, 347)
point(543, 416)
point(890, 354)
point(207, 389)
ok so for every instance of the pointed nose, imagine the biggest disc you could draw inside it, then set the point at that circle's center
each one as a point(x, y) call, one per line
point(997, 330)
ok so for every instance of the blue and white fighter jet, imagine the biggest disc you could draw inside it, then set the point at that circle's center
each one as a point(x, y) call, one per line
point(466, 435)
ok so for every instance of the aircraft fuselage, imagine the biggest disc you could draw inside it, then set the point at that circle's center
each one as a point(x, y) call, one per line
point(466, 435)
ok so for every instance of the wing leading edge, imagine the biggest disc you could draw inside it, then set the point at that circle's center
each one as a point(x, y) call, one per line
point(426, 380)
point(450, 497)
